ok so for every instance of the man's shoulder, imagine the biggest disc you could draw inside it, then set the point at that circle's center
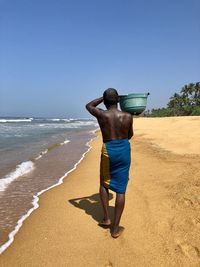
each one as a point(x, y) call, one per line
point(102, 113)
point(126, 115)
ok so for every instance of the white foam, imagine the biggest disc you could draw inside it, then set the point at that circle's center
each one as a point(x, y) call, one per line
point(36, 200)
point(55, 119)
point(16, 120)
point(95, 130)
point(21, 169)
point(77, 124)
point(66, 120)
point(65, 142)
point(46, 150)
point(41, 154)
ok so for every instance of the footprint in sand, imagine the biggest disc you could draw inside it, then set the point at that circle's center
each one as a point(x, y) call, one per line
point(189, 250)
point(188, 201)
point(108, 264)
point(196, 222)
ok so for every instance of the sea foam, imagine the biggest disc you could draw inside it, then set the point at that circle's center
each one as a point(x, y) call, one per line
point(16, 120)
point(65, 142)
point(41, 154)
point(20, 170)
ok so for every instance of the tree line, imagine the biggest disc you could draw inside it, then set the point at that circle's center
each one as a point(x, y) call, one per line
point(185, 103)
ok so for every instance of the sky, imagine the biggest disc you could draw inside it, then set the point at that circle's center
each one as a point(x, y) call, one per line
point(57, 55)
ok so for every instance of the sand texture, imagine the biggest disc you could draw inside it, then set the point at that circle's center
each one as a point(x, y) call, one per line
point(180, 135)
point(161, 217)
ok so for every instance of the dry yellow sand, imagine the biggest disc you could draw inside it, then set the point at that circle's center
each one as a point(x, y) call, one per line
point(161, 217)
point(179, 135)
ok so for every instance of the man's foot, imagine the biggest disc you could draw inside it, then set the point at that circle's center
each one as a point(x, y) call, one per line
point(116, 232)
point(105, 223)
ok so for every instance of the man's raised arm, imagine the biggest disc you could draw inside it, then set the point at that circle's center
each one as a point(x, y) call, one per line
point(91, 106)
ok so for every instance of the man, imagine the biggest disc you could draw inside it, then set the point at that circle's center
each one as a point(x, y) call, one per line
point(116, 128)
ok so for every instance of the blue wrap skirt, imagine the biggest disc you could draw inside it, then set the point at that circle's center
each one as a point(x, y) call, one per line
point(115, 165)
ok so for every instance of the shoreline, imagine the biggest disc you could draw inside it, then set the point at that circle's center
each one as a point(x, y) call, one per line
point(161, 213)
point(35, 201)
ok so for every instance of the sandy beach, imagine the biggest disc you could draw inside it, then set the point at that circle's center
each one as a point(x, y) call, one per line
point(161, 216)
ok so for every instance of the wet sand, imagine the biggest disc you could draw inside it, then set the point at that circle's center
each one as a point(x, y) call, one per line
point(161, 217)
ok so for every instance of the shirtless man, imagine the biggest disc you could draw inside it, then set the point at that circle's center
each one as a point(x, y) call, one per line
point(116, 128)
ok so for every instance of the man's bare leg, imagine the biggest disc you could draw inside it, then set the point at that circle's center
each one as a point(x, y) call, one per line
point(104, 194)
point(119, 207)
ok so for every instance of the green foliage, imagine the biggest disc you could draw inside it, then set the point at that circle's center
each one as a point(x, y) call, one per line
point(162, 112)
point(196, 111)
point(187, 103)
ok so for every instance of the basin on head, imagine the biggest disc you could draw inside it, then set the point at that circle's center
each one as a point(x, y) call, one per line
point(133, 103)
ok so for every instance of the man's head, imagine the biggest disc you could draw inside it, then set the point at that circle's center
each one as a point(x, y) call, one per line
point(110, 97)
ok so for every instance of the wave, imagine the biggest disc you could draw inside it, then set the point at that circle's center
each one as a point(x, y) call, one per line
point(52, 122)
point(41, 154)
point(66, 123)
point(54, 119)
point(61, 119)
point(77, 124)
point(15, 120)
point(36, 200)
point(20, 170)
point(46, 150)
point(65, 142)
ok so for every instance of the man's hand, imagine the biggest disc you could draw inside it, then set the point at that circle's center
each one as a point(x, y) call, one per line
point(91, 107)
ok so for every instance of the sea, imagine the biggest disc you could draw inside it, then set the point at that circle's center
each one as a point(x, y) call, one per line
point(35, 155)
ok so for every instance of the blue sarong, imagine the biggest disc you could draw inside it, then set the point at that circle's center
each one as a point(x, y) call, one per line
point(115, 164)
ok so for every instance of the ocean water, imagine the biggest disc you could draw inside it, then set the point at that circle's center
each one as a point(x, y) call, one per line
point(35, 154)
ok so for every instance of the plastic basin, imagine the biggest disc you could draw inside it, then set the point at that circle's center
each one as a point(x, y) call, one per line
point(133, 103)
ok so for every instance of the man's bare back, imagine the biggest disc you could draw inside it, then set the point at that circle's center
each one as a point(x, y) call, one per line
point(114, 124)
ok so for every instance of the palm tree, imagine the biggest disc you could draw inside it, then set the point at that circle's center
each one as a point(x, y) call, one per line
point(185, 95)
point(185, 103)
point(176, 103)
point(197, 94)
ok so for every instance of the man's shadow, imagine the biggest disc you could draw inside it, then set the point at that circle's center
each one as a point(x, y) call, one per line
point(92, 206)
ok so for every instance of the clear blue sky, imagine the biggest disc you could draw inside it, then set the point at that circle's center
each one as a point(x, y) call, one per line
point(56, 55)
